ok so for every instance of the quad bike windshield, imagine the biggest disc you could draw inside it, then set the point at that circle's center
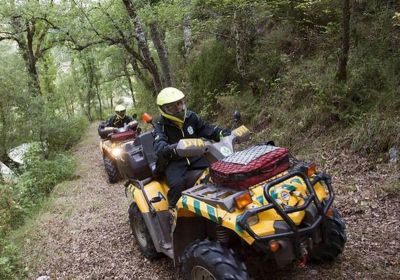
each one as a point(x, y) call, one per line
point(287, 197)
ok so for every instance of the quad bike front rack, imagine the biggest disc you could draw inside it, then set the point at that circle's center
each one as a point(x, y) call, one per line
point(294, 232)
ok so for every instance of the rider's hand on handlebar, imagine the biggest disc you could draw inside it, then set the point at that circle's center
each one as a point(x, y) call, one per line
point(170, 151)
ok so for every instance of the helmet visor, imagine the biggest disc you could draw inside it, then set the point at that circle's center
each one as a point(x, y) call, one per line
point(174, 108)
point(121, 114)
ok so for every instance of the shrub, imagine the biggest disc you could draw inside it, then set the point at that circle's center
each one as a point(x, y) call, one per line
point(10, 263)
point(209, 73)
point(42, 175)
point(376, 133)
point(9, 207)
point(38, 180)
point(62, 133)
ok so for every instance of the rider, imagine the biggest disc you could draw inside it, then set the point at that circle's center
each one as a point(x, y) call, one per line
point(175, 123)
point(120, 119)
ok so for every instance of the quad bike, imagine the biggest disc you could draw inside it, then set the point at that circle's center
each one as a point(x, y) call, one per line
point(288, 217)
point(112, 139)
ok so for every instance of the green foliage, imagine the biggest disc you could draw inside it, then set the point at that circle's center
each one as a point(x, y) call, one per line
point(37, 181)
point(9, 206)
point(209, 73)
point(146, 102)
point(376, 133)
point(18, 201)
point(232, 99)
point(64, 133)
point(10, 263)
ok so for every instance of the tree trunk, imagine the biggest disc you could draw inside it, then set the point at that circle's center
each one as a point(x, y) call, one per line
point(128, 78)
point(162, 52)
point(187, 31)
point(341, 74)
point(100, 103)
point(111, 104)
point(67, 108)
point(140, 75)
point(3, 134)
point(240, 42)
point(26, 47)
point(89, 68)
point(143, 46)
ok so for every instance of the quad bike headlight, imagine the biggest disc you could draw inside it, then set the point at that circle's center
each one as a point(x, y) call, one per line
point(116, 152)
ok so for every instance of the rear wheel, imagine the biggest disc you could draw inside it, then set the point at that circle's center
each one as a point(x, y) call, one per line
point(334, 239)
point(210, 260)
point(141, 233)
point(111, 169)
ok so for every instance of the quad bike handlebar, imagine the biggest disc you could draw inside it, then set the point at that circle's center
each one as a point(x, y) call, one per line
point(132, 125)
point(193, 147)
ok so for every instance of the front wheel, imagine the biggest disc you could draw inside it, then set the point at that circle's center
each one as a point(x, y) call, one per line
point(141, 233)
point(334, 239)
point(210, 260)
point(111, 169)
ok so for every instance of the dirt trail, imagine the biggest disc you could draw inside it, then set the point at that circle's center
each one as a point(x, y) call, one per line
point(84, 233)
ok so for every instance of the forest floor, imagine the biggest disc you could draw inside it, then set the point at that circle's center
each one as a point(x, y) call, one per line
point(83, 232)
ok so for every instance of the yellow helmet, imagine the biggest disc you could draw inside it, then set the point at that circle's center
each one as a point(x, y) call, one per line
point(169, 95)
point(120, 111)
point(120, 108)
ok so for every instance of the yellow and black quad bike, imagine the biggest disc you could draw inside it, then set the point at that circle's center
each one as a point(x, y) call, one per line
point(112, 141)
point(288, 217)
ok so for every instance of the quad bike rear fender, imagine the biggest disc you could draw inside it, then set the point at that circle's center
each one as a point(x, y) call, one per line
point(154, 193)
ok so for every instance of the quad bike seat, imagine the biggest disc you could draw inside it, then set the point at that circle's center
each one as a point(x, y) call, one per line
point(192, 176)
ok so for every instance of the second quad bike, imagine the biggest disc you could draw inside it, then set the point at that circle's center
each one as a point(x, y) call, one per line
point(110, 145)
point(289, 217)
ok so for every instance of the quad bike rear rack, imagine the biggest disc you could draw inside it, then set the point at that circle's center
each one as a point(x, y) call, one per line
point(295, 231)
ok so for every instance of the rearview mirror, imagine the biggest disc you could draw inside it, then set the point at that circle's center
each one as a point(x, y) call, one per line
point(147, 118)
point(236, 116)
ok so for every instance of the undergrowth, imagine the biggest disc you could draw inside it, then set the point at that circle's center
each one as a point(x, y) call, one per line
point(21, 200)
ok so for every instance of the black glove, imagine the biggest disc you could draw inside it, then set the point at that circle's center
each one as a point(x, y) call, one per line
point(170, 151)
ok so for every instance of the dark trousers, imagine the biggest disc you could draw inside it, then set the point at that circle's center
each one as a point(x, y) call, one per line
point(176, 175)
